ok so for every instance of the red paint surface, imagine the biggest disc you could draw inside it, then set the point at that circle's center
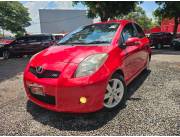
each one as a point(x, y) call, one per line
point(5, 41)
point(155, 29)
point(67, 89)
point(167, 25)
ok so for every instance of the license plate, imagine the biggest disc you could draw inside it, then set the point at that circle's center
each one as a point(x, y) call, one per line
point(37, 90)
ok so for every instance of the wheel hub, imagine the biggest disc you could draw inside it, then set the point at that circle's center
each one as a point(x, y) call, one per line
point(114, 93)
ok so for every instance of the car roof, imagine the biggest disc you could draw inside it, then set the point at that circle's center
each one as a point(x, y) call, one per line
point(115, 21)
point(36, 35)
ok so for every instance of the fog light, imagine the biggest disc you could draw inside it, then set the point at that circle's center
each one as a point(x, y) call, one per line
point(83, 100)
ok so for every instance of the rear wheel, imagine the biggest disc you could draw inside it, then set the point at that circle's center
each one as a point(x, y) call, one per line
point(6, 54)
point(175, 47)
point(115, 92)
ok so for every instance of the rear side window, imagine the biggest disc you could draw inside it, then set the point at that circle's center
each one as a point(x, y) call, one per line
point(58, 37)
point(32, 39)
point(140, 32)
point(21, 40)
point(46, 38)
point(128, 32)
point(39, 38)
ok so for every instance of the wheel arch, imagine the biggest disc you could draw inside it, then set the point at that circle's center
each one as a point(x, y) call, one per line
point(118, 71)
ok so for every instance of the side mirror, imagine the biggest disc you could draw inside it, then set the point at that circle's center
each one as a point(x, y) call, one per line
point(132, 41)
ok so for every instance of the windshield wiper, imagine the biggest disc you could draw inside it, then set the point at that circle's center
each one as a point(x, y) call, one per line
point(84, 43)
point(98, 42)
point(63, 43)
point(73, 43)
point(78, 43)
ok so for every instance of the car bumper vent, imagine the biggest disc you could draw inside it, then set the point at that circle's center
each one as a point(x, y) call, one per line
point(46, 98)
point(45, 73)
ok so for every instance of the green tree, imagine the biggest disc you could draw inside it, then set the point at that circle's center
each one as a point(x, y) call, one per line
point(14, 17)
point(168, 9)
point(157, 19)
point(140, 17)
point(107, 9)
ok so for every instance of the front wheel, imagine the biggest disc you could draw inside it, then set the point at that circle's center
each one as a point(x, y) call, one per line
point(115, 92)
point(6, 54)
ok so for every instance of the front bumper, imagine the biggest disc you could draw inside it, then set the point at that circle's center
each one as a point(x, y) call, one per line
point(67, 92)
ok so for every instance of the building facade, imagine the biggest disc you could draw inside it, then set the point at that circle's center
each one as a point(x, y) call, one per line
point(62, 21)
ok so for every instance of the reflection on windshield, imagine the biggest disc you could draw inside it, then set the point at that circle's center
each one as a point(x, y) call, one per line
point(91, 34)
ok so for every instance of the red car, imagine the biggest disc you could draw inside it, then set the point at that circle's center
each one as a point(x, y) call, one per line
point(89, 69)
point(6, 40)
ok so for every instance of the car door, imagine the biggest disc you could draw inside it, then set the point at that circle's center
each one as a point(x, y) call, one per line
point(19, 45)
point(131, 62)
point(142, 47)
point(34, 43)
point(47, 41)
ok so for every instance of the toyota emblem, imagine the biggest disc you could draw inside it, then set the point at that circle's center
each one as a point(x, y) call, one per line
point(39, 69)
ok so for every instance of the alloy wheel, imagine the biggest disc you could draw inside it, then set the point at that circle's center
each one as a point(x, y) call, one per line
point(5, 54)
point(114, 93)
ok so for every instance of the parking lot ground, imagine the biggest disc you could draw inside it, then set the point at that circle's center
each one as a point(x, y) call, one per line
point(152, 108)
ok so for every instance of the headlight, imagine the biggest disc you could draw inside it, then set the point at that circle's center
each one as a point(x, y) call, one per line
point(90, 64)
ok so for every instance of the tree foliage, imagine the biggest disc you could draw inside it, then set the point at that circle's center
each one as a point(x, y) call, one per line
point(140, 17)
point(169, 9)
point(14, 16)
point(157, 18)
point(108, 9)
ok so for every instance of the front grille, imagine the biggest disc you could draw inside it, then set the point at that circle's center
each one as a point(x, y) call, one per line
point(46, 99)
point(45, 73)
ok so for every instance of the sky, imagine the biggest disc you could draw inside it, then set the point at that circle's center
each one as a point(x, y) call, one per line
point(34, 6)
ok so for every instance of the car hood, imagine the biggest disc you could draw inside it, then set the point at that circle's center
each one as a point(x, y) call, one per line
point(68, 54)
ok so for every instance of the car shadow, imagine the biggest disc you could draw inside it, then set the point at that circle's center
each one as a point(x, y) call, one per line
point(12, 67)
point(82, 122)
point(136, 83)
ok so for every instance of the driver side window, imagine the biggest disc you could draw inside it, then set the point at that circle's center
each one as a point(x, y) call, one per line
point(128, 32)
point(21, 40)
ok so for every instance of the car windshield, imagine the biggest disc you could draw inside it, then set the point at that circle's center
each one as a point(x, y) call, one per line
point(91, 34)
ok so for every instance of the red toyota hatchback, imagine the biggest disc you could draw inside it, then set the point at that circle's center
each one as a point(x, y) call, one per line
point(89, 69)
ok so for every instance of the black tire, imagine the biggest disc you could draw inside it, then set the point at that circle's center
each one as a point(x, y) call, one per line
point(122, 103)
point(6, 54)
point(174, 47)
point(20, 56)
